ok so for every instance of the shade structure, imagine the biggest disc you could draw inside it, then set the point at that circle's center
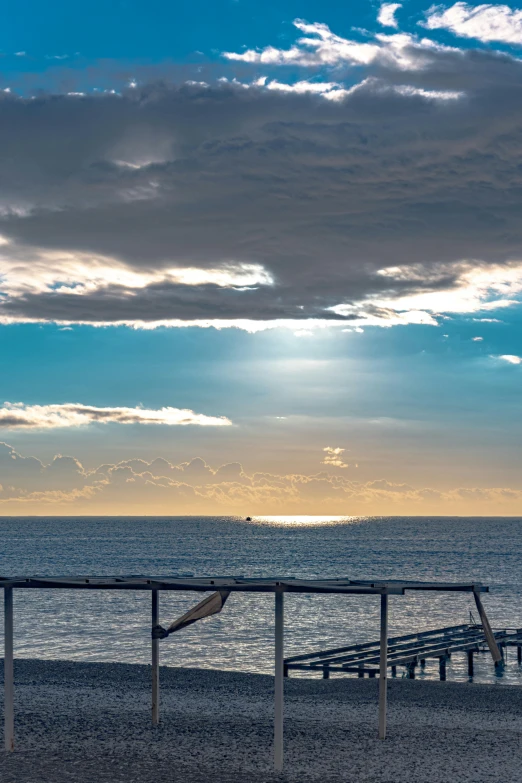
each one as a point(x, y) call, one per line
point(236, 584)
point(221, 587)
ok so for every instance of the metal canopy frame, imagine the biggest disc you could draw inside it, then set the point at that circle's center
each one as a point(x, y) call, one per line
point(278, 586)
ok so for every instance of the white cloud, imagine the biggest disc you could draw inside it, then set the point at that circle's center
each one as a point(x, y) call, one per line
point(335, 91)
point(18, 415)
point(386, 15)
point(510, 358)
point(320, 88)
point(320, 46)
point(432, 95)
point(333, 457)
point(486, 22)
point(477, 339)
point(80, 274)
point(474, 288)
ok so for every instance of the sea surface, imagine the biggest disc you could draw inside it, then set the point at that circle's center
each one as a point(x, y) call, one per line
point(115, 625)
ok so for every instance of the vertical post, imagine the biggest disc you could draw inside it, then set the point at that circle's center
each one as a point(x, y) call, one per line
point(383, 664)
point(155, 660)
point(442, 668)
point(278, 681)
point(519, 654)
point(470, 663)
point(8, 670)
point(488, 633)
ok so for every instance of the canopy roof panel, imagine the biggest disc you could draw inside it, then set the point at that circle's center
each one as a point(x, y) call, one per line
point(239, 584)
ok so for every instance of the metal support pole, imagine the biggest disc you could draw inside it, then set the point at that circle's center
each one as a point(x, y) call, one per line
point(442, 669)
point(383, 664)
point(278, 681)
point(488, 633)
point(8, 670)
point(155, 661)
point(519, 654)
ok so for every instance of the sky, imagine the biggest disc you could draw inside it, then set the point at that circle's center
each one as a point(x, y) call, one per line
point(260, 258)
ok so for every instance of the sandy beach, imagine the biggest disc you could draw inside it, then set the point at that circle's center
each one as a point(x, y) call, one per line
point(91, 722)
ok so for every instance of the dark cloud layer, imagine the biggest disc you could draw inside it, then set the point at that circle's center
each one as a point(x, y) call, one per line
point(319, 194)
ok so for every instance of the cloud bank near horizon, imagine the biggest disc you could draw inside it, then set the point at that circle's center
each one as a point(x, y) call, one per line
point(63, 486)
point(384, 195)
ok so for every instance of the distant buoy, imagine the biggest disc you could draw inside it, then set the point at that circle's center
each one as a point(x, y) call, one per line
point(249, 519)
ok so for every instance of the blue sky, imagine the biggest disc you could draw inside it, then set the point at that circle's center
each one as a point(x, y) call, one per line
point(233, 236)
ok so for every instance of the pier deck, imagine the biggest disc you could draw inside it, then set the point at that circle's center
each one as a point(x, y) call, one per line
point(408, 651)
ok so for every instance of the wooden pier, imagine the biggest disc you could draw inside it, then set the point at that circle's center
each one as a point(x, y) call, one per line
point(408, 651)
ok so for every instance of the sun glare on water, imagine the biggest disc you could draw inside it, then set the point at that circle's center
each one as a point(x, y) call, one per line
point(301, 520)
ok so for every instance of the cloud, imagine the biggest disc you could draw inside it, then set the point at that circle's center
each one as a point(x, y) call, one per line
point(386, 196)
point(64, 486)
point(333, 457)
point(70, 414)
point(320, 46)
point(510, 358)
point(386, 15)
point(20, 475)
point(477, 339)
point(486, 22)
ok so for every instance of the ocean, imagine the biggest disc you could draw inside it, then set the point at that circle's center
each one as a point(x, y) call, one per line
point(115, 626)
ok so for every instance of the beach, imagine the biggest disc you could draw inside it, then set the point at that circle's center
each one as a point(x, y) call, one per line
point(85, 722)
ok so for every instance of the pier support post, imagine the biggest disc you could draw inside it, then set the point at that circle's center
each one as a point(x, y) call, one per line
point(519, 654)
point(470, 663)
point(326, 672)
point(488, 633)
point(155, 661)
point(8, 670)
point(383, 664)
point(394, 671)
point(442, 669)
point(279, 680)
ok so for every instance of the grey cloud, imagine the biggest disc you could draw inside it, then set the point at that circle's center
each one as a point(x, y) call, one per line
point(322, 194)
point(29, 474)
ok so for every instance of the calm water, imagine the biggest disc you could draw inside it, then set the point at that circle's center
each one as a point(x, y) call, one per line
point(115, 626)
